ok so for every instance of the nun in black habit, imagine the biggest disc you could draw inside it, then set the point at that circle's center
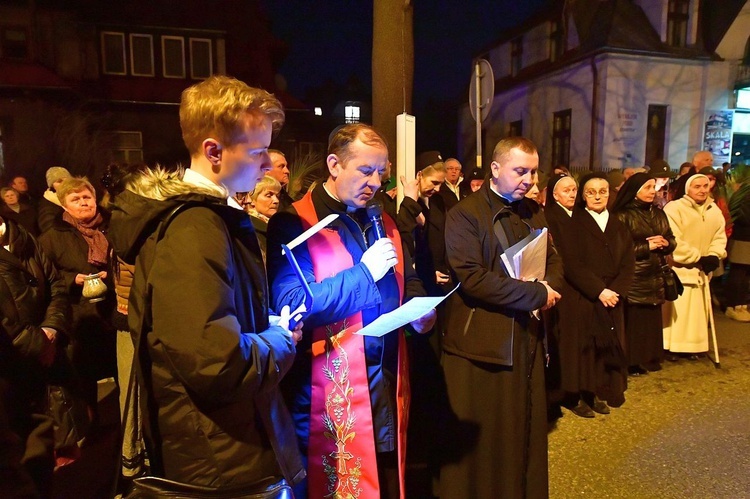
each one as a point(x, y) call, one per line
point(598, 258)
point(653, 241)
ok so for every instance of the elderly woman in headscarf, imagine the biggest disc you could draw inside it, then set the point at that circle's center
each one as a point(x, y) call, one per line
point(653, 242)
point(562, 375)
point(77, 246)
point(698, 226)
point(597, 252)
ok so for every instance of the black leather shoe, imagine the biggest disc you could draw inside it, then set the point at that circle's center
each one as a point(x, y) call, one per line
point(693, 357)
point(582, 410)
point(652, 366)
point(600, 406)
point(637, 370)
point(672, 357)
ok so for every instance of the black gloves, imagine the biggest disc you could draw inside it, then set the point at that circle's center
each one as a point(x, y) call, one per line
point(709, 263)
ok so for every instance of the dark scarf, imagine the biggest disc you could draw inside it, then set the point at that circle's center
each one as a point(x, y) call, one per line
point(97, 242)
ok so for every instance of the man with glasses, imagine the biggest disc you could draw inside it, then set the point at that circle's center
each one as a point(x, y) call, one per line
point(493, 353)
point(451, 193)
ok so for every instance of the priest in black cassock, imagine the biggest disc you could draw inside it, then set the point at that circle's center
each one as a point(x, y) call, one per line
point(493, 347)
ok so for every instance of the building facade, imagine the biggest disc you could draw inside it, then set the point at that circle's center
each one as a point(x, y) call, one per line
point(608, 84)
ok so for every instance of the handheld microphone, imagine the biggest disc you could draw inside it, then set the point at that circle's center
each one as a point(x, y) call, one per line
point(374, 210)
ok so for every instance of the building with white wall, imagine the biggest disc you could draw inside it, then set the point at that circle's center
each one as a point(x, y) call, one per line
point(606, 84)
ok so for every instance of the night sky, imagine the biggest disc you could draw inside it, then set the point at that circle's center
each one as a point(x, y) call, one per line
point(333, 39)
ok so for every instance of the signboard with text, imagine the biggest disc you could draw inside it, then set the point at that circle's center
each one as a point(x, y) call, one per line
point(717, 137)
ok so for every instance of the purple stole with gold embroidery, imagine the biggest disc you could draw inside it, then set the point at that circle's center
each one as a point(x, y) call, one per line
point(341, 452)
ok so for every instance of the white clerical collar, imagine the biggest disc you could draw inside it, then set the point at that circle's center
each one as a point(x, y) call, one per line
point(492, 188)
point(194, 178)
point(601, 219)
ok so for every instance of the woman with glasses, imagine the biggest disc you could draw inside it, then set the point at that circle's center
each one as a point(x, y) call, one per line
point(653, 241)
point(597, 252)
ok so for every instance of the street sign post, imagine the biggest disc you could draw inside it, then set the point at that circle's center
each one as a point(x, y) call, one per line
point(481, 93)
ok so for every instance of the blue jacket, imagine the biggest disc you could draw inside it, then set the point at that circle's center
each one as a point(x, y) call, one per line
point(336, 298)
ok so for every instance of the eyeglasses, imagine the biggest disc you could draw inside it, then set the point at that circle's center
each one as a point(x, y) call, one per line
point(590, 193)
point(454, 169)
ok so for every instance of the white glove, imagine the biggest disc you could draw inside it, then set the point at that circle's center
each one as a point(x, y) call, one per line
point(380, 257)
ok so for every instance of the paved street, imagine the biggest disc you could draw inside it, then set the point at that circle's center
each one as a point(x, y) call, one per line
point(683, 432)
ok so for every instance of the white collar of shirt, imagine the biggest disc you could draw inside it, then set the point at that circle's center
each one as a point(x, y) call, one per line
point(453, 188)
point(601, 219)
point(194, 178)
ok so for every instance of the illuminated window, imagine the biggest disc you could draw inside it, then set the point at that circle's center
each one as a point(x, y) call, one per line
point(141, 55)
point(318, 111)
point(113, 53)
point(201, 58)
point(173, 56)
point(351, 113)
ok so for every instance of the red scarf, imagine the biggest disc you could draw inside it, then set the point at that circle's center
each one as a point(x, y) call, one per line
point(95, 239)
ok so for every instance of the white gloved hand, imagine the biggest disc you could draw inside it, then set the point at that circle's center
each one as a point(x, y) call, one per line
point(380, 257)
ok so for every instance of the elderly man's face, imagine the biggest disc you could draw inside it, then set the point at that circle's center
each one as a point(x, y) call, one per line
point(20, 184)
point(517, 173)
point(703, 159)
point(356, 180)
point(452, 171)
point(280, 169)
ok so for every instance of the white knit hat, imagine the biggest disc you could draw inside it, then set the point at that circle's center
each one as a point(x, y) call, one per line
point(56, 173)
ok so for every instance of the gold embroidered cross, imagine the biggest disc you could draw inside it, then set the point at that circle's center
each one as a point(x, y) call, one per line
point(341, 455)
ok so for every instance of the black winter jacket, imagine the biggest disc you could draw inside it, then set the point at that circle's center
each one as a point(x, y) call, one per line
point(211, 364)
point(32, 296)
point(645, 220)
point(490, 307)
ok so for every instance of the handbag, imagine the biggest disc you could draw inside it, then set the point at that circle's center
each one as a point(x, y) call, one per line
point(70, 416)
point(673, 287)
point(151, 487)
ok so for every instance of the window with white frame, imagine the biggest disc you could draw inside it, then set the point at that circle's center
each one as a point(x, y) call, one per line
point(351, 113)
point(141, 55)
point(113, 53)
point(201, 58)
point(173, 56)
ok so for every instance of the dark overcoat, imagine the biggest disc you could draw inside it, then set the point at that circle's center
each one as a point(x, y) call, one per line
point(494, 356)
point(594, 261)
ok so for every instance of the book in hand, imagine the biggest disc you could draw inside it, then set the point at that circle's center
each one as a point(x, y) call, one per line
point(527, 259)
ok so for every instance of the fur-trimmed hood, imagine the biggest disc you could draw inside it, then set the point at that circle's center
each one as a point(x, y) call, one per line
point(149, 197)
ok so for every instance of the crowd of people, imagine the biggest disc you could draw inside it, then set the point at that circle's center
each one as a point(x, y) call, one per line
point(235, 350)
